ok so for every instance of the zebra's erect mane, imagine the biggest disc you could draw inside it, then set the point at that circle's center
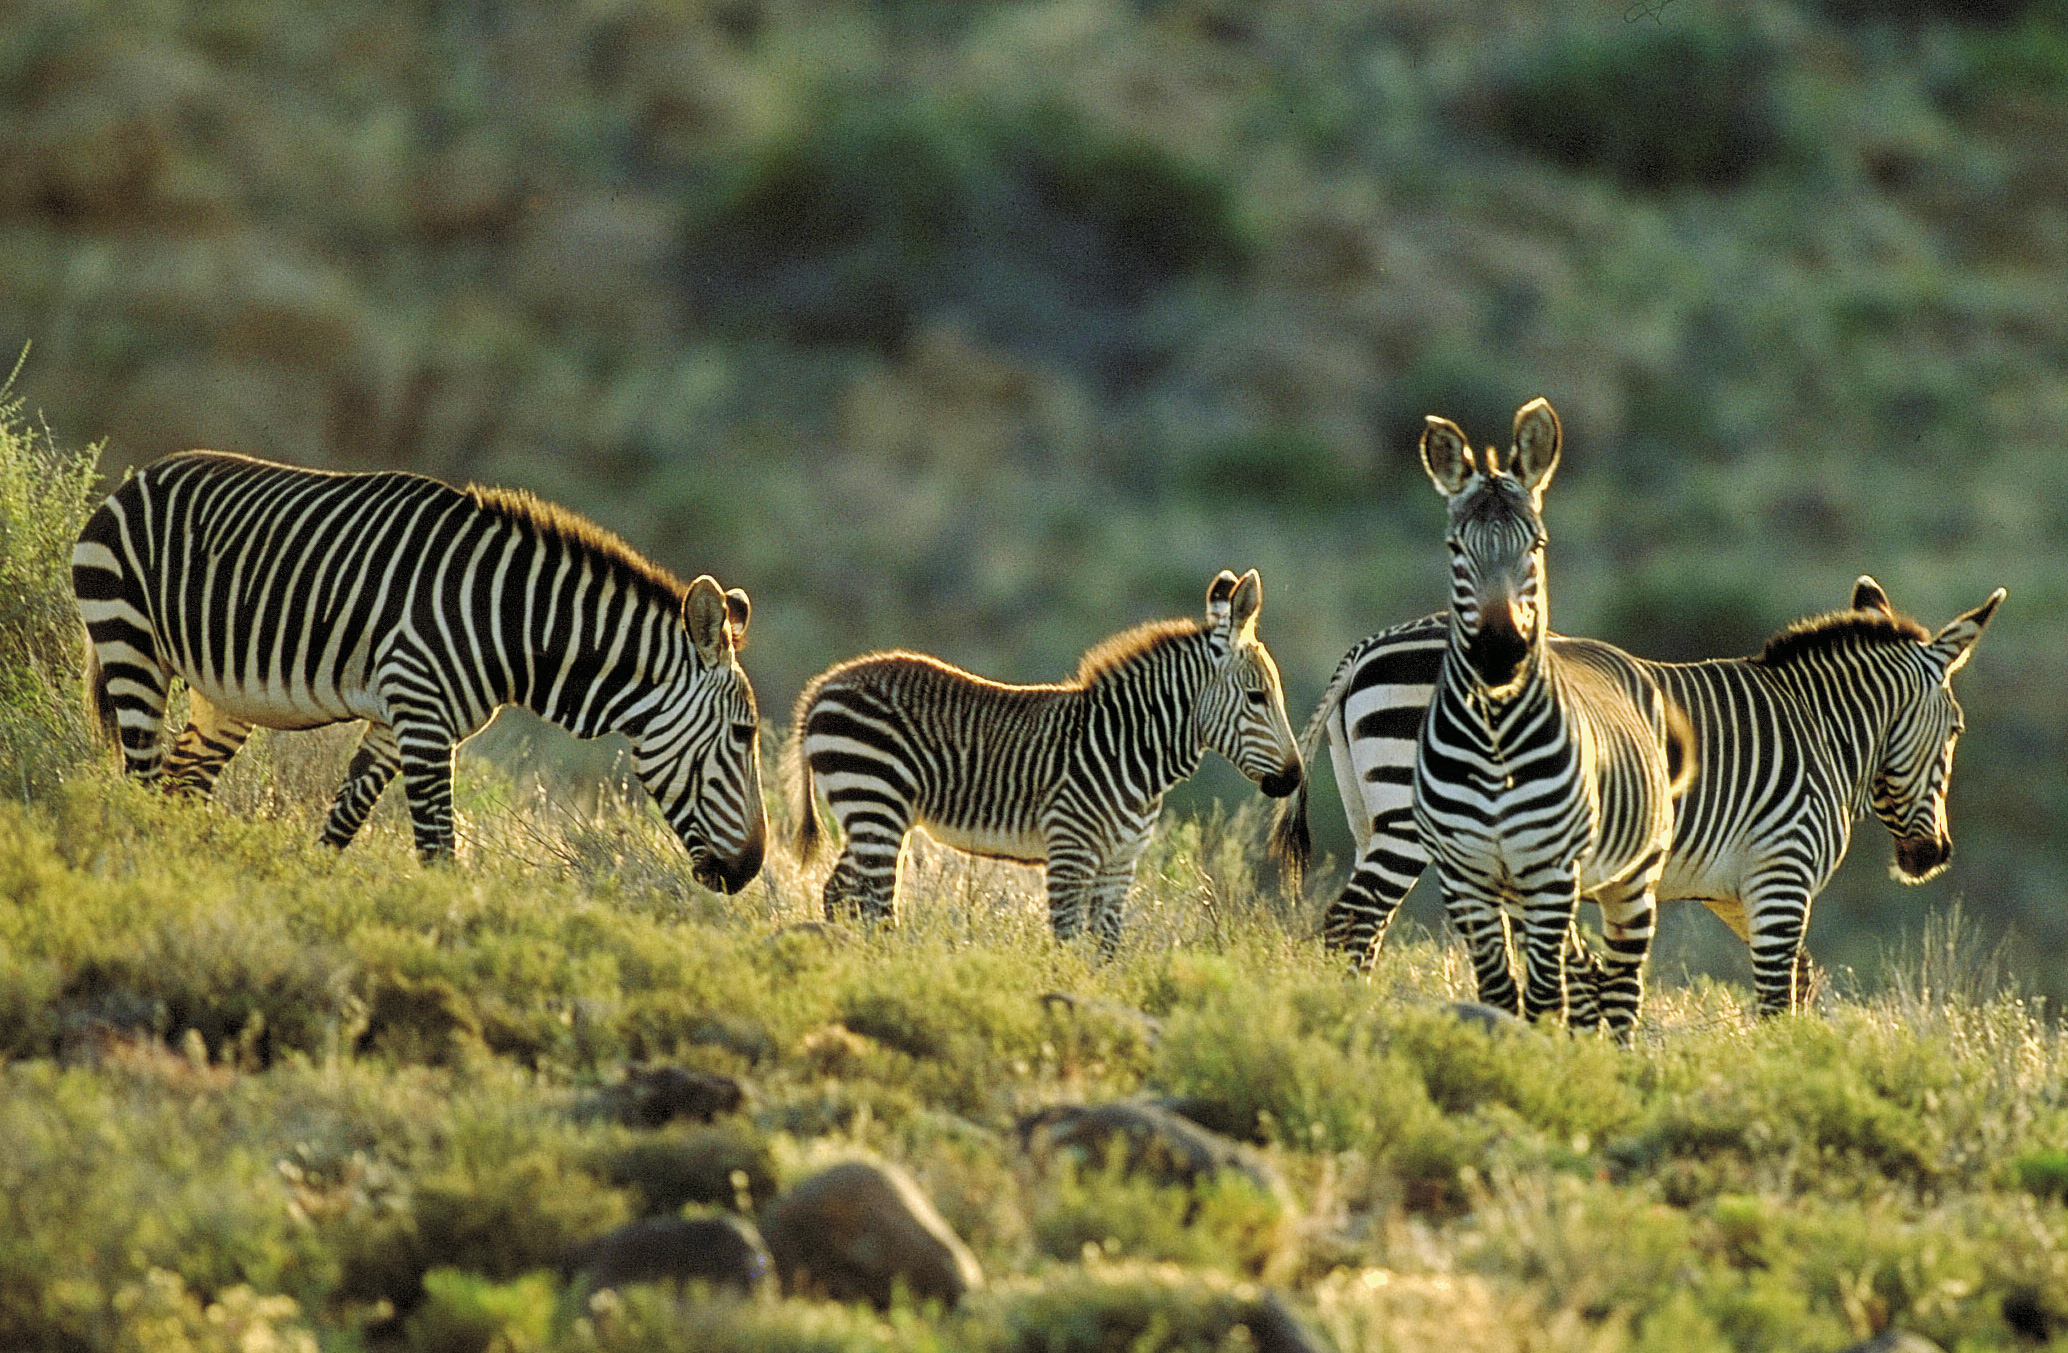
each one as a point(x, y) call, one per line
point(553, 520)
point(1823, 633)
point(1108, 656)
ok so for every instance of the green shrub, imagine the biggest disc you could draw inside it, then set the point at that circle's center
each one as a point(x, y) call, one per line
point(465, 1313)
point(1222, 1220)
point(45, 497)
point(724, 1165)
point(1125, 1308)
point(1656, 106)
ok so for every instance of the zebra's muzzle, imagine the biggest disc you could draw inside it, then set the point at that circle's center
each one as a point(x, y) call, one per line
point(1497, 651)
point(1919, 858)
point(1280, 782)
point(722, 875)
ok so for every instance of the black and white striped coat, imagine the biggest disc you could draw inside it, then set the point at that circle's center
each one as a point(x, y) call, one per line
point(291, 598)
point(1070, 775)
point(1840, 715)
point(1542, 775)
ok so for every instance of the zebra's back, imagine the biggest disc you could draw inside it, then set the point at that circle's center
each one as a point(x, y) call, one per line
point(248, 580)
point(971, 760)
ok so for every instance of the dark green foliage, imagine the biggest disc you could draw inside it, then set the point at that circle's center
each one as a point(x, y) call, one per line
point(1288, 470)
point(724, 1165)
point(1655, 106)
point(879, 210)
point(2043, 1173)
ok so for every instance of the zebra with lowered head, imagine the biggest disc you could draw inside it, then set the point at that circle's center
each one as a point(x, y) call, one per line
point(1542, 775)
point(1839, 715)
point(292, 598)
point(1069, 775)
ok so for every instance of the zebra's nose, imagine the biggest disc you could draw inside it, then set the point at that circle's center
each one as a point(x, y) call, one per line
point(1281, 782)
point(1920, 857)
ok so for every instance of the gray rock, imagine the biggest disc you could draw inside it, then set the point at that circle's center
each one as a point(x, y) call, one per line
point(1491, 1018)
point(723, 1251)
point(1896, 1341)
point(854, 1231)
point(1158, 1142)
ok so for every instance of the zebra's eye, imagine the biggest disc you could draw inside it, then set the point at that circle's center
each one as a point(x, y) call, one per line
point(743, 733)
point(1255, 697)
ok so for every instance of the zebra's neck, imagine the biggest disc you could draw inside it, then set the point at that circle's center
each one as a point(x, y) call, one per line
point(1847, 693)
point(1140, 716)
point(600, 655)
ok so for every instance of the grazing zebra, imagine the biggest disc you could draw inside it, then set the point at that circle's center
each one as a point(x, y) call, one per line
point(290, 598)
point(1840, 714)
point(1542, 774)
point(1069, 775)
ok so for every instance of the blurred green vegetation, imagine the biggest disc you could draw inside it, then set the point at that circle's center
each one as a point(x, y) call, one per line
point(990, 328)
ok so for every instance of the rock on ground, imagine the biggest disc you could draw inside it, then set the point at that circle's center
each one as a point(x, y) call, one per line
point(724, 1251)
point(1158, 1142)
point(854, 1231)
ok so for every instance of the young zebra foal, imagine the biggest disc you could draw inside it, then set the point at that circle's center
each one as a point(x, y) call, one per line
point(1069, 775)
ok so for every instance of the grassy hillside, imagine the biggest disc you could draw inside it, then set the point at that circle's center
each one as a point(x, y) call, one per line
point(990, 328)
point(259, 1096)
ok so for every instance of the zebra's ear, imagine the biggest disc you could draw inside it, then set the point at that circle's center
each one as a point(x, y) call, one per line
point(1538, 438)
point(1446, 455)
point(1218, 593)
point(1248, 600)
point(1954, 643)
point(704, 614)
point(1868, 596)
point(738, 611)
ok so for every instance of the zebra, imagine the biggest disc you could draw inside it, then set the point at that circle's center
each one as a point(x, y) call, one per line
point(1542, 775)
point(290, 598)
point(1069, 775)
point(1840, 714)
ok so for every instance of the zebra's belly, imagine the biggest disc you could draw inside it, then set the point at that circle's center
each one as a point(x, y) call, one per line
point(1024, 846)
point(275, 707)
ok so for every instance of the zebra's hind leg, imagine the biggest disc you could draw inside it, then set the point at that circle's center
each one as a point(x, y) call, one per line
point(1357, 921)
point(1480, 921)
point(1583, 978)
point(372, 766)
point(864, 881)
point(205, 746)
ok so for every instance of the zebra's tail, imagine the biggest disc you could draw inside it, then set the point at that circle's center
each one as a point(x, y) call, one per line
point(1681, 754)
point(1292, 846)
point(804, 807)
point(100, 703)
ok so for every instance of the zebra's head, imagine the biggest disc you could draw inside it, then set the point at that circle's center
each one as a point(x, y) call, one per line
point(1910, 783)
point(1241, 712)
point(698, 750)
point(1498, 603)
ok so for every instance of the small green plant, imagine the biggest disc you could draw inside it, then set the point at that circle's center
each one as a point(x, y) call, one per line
point(465, 1313)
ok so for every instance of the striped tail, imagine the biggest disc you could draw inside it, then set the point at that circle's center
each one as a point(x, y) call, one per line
point(100, 703)
point(1292, 846)
point(804, 808)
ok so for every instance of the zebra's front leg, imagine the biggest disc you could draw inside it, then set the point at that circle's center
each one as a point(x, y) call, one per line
point(373, 765)
point(1550, 897)
point(1357, 921)
point(1776, 920)
point(1629, 917)
point(1475, 911)
point(424, 746)
point(205, 746)
point(1107, 897)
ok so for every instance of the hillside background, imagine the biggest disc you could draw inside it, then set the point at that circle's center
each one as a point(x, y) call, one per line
point(991, 328)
